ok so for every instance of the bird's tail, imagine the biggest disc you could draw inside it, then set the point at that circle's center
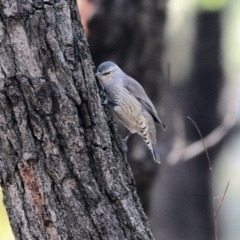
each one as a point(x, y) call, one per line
point(155, 153)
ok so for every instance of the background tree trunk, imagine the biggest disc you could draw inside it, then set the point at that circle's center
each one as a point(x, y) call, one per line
point(184, 197)
point(62, 169)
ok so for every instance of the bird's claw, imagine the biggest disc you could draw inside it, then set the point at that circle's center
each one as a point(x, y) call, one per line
point(125, 147)
point(126, 138)
point(124, 142)
point(105, 101)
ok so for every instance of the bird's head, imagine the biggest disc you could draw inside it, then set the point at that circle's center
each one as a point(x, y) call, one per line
point(107, 72)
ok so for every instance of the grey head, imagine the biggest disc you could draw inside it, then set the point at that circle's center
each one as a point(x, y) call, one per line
point(107, 72)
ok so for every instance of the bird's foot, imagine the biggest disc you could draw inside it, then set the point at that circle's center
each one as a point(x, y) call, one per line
point(125, 147)
point(124, 142)
point(105, 101)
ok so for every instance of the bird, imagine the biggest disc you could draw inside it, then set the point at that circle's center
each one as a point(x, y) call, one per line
point(131, 104)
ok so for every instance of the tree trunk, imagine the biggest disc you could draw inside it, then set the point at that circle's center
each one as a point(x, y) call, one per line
point(62, 169)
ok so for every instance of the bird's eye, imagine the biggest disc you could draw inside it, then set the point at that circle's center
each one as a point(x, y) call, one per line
point(106, 73)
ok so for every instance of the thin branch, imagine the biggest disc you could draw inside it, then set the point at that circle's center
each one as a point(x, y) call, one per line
point(203, 143)
point(210, 169)
point(216, 213)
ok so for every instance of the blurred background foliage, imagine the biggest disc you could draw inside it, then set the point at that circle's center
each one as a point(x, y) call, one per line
point(186, 54)
point(5, 229)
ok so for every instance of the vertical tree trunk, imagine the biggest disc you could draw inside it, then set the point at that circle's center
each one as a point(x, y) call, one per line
point(62, 169)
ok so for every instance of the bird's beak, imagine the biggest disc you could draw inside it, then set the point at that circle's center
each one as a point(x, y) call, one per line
point(96, 74)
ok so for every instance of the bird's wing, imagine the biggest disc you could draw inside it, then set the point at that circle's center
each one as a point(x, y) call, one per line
point(139, 93)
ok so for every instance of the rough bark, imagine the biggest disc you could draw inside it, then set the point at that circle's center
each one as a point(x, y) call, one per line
point(62, 169)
